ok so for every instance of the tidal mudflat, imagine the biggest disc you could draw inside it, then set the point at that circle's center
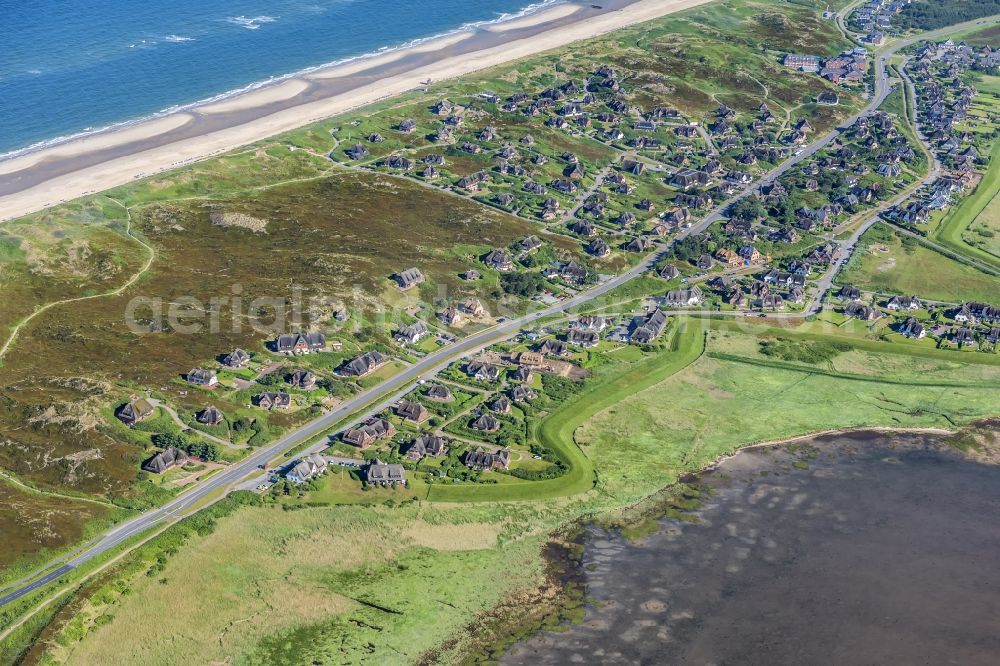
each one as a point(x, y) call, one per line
point(863, 548)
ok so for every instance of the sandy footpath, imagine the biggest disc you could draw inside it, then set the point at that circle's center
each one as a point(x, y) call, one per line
point(47, 191)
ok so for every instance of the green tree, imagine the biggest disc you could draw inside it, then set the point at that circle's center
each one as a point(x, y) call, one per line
point(748, 209)
point(522, 284)
point(166, 440)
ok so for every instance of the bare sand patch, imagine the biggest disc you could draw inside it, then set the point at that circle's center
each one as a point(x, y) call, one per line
point(241, 220)
point(653, 606)
point(887, 265)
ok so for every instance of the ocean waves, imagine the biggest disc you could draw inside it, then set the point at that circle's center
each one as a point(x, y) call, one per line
point(251, 23)
point(104, 73)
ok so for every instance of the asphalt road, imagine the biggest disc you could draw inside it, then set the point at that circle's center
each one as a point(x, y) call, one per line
point(428, 366)
point(41, 582)
point(842, 15)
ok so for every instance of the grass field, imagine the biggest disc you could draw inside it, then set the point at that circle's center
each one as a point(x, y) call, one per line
point(859, 339)
point(716, 406)
point(983, 231)
point(940, 369)
point(280, 584)
point(986, 227)
point(910, 268)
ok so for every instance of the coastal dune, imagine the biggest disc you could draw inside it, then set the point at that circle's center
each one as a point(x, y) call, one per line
point(41, 179)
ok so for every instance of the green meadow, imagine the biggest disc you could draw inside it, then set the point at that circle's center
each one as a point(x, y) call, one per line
point(889, 262)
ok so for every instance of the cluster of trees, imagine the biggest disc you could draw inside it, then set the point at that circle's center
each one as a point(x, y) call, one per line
point(257, 428)
point(783, 212)
point(932, 14)
point(271, 379)
point(285, 488)
point(242, 423)
point(207, 451)
point(748, 209)
point(522, 284)
point(690, 248)
point(557, 388)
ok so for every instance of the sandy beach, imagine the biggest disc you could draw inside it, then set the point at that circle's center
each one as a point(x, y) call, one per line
point(34, 181)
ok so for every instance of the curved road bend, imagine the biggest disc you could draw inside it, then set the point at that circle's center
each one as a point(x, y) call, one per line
point(434, 362)
point(841, 19)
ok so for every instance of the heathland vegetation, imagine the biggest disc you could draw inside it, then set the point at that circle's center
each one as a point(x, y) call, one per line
point(337, 238)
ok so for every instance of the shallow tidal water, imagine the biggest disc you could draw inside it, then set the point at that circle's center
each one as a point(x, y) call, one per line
point(884, 550)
